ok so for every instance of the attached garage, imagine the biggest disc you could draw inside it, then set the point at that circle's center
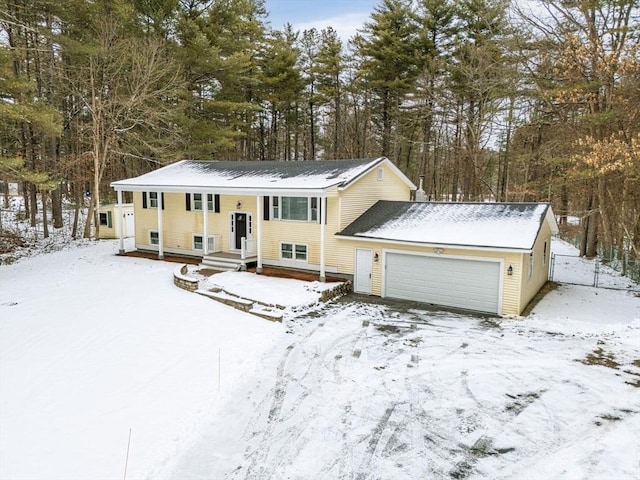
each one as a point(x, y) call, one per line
point(453, 282)
point(484, 257)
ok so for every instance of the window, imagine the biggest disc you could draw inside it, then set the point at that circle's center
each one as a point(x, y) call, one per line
point(302, 209)
point(154, 239)
point(293, 251)
point(105, 219)
point(150, 200)
point(294, 208)
point(544, 254)
point(286, 251)
point(197, 242)
point(197, 201)
point(301, 252)
point(380, 173)
point(530, 265)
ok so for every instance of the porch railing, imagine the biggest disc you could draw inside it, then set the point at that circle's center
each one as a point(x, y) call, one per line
point(247, 246)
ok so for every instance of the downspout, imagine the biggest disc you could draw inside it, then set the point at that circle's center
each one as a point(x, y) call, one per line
point(160, 235)
point(205, 222)
point(259, 233)
point(120, 222)
point(323, 206)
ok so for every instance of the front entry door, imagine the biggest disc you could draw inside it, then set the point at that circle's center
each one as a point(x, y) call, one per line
point(362, 280)
point(240, 222)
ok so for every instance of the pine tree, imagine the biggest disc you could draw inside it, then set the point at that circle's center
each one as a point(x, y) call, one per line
point(389, 49)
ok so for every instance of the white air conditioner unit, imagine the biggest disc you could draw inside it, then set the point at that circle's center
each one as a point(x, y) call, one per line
point(214, 243)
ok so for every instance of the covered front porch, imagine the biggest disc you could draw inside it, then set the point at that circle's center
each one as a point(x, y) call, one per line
point(225, 230)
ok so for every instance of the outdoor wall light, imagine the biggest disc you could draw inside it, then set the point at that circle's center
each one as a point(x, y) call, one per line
point(239, 205)
point(376, 257)
point(510, 270)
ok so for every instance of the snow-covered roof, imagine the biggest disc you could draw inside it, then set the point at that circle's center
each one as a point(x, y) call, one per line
point(486, 225)
point(256, 176)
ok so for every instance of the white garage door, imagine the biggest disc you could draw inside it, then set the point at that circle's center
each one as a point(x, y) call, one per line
point(452, 282)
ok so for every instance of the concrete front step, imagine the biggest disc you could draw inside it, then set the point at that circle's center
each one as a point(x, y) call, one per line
point(224, 266)
point(226, 261)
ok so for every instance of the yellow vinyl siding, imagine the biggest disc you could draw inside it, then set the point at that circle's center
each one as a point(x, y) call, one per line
point(511, 286)
point(367, 190)
point(275, 232)
point(146, 220)
point(531, 286)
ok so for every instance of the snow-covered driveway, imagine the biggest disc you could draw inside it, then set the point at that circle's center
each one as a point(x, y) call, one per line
point(362, 391)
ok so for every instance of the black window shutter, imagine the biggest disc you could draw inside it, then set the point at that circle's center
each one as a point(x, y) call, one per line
point(265, 207)
point(216, 206)
point(187, 198)
point(110, 223)
point(144, 199)
point(162, 199)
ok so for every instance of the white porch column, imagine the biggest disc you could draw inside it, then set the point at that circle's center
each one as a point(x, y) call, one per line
point(323, 206)
point(205, 221)
point(120, 222)
point(259, 233)
point(160, 235)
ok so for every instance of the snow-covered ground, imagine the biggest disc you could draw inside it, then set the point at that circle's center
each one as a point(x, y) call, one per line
point(570, 268)
point(93, 345)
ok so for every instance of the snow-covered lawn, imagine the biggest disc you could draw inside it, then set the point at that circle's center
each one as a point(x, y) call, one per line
point(92, 345)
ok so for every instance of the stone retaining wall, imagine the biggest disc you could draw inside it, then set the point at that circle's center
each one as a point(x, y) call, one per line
point(339, 290)
point(181, 280)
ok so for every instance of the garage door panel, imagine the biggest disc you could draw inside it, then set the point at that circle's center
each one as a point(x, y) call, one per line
point(460, 283)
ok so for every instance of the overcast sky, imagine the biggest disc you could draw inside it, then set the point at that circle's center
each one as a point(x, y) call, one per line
point(345, 16)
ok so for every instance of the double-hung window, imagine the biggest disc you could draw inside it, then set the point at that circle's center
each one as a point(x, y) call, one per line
point(197, 201)
point(197, 242)
point(293, 251)
point(153, 199)
point(154, 239)
point(302, 209)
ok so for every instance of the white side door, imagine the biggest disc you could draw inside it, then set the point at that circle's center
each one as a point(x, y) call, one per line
point(129, 227)
point(362, 276)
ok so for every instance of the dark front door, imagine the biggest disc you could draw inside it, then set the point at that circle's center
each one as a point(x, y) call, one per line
point(241, 228)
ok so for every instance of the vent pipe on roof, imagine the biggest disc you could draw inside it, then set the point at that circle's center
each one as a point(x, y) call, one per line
point(421, 196)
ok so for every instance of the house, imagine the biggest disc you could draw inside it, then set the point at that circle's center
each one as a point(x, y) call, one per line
point(331, 217)
point(109, 227)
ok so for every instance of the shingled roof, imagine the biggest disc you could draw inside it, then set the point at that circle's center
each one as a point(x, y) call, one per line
point(487, 225)
point(191, 175)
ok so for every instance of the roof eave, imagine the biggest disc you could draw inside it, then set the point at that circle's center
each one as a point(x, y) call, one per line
point(373, 164)
point(319, 191)
point(436, 245)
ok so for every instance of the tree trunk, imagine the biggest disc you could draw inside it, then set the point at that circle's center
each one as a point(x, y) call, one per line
point(87, 225)
point(76, 213)
point(56, 207)
point(45, 221)
point(33, 201)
